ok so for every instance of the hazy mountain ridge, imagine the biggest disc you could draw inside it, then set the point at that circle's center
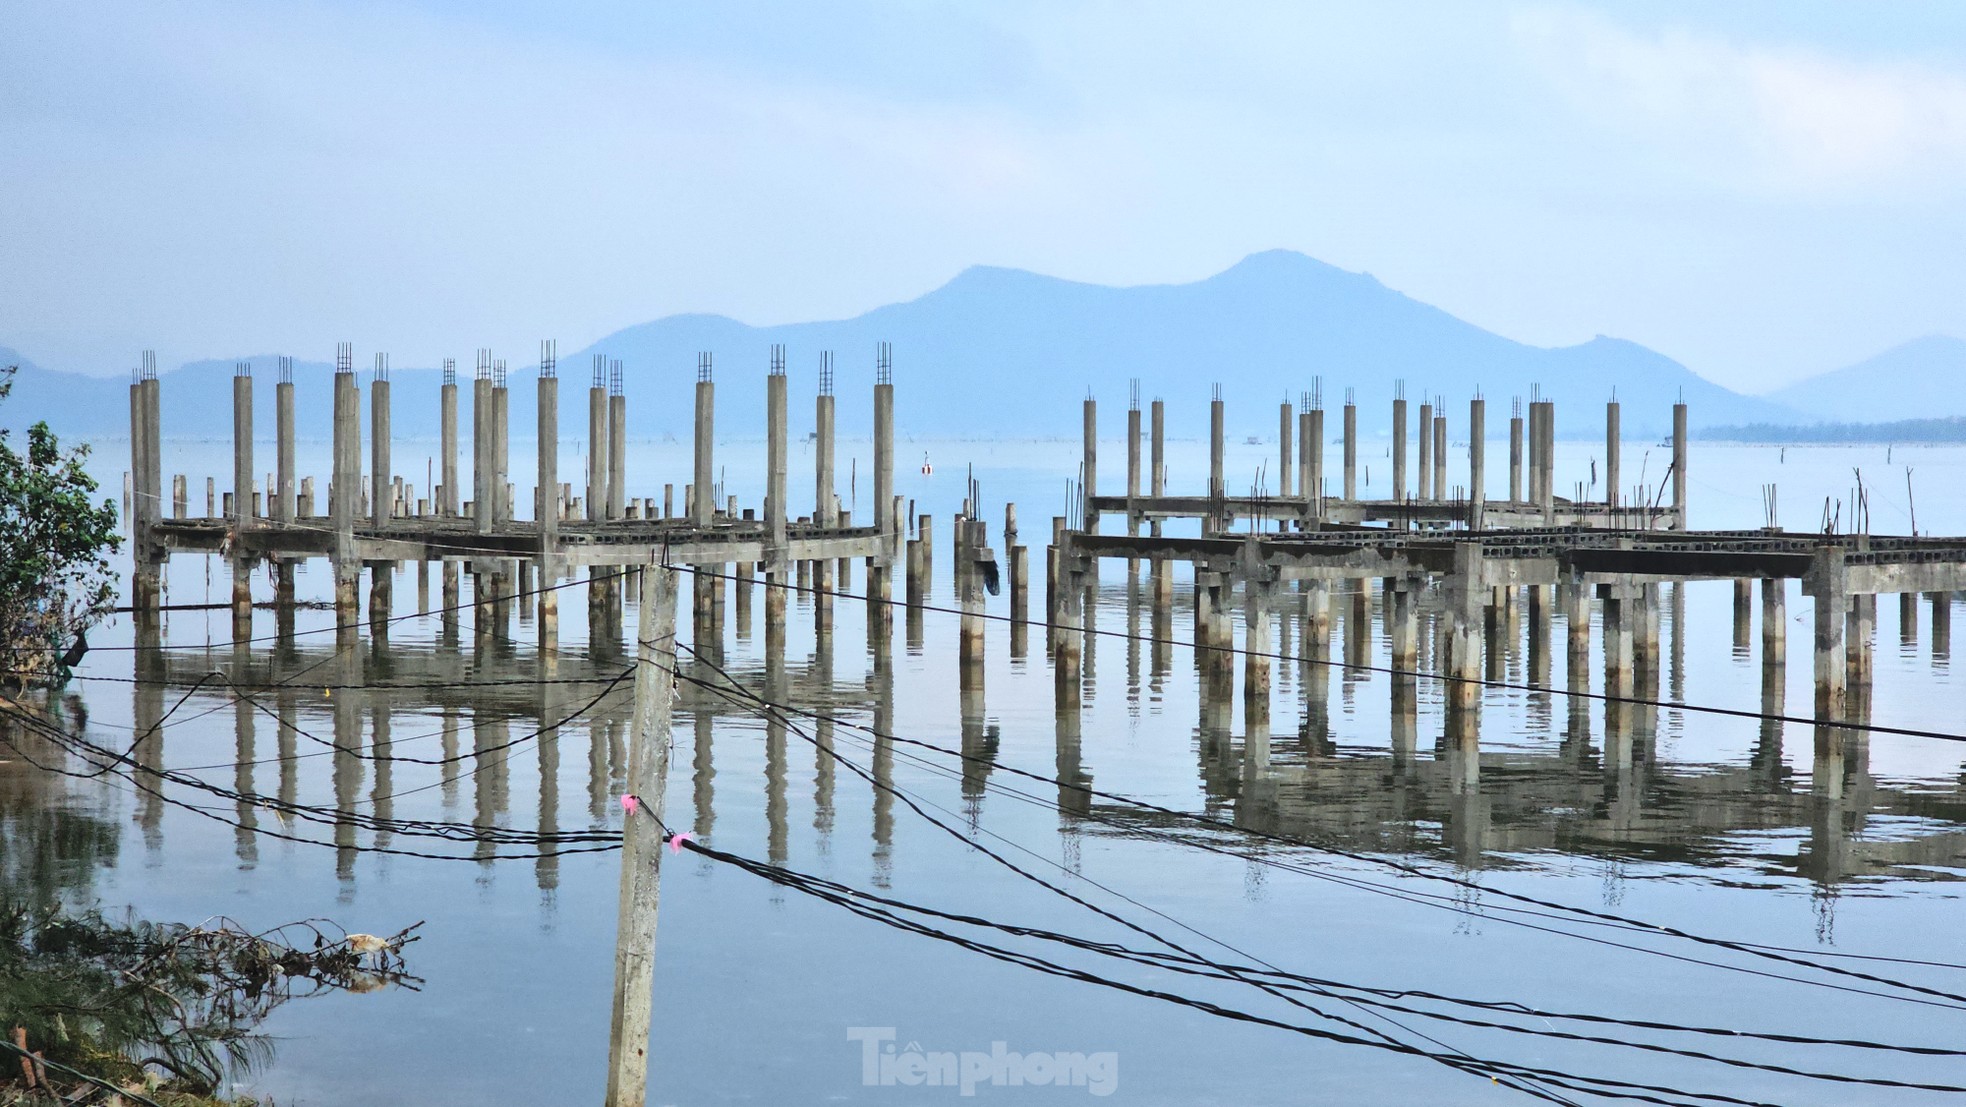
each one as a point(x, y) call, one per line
point(1004, 351)
point(1921, 379)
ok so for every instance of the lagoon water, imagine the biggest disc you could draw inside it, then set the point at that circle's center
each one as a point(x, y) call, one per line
point(1719, 825)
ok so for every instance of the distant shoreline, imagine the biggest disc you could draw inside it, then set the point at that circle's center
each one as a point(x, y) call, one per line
point(1902, 432)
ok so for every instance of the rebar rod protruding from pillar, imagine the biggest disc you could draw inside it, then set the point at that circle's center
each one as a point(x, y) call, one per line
point(617, 443)
point(825, 503)
point(1399, 448)
point(447, 445)
point(704, 505)
point(884, 449)
point(381, 468)
point(1477, 461)
point(598, 437)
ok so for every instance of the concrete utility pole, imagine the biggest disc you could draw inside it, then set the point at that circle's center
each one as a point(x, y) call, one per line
point(641, 847)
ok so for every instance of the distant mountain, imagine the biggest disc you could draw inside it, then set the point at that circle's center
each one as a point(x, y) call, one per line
point(1002, 351)
point(1921, 379)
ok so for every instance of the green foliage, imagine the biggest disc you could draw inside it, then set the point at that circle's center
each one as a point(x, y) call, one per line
point(54, 544)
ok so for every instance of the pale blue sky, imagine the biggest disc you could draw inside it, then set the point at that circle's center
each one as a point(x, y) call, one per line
point(1760, 190)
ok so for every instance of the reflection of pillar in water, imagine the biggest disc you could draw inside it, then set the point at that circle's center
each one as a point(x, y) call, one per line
point(597, 765)
point(1133, 642)
point(289, 712)
point(1405, 716)
point(823, 768)
point(777, 837)
point(979, 746)
point(546, 869)
point(347, 760)
point(883, 770)
point(1767, 763)
point(1161, 653)
point(244, 711)
point(1074, 795)
point(382, 796)
point(147, 716)
point(741, 627)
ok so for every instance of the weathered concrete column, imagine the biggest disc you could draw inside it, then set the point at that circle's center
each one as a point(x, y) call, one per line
point(1618, 616)
point(1774, 620)
point(1286, 451)
point(1091, 467)
point(1477, 461)
point(381, 468)
point(617, 451)
point(1218, 485)
point(1612, 437)
point(481, 452)
point(448, 500)
point(1020, 584)
point(1679, 444)
point(1908, 618)
point(1399, 450)
point(1546, 460)
point(548, 510)
point(1515, 454)
point(1857, 639)
point(1067, 651)
point(884, 457)
point(1313, 452)
point(825, 507)
point(704, 504)
point(1133, 474)
point(974, 549)
point(1404, 630)
point(1426, 482)
point(1351, 450)
point(598, 440)
point(501, 442)
point(1577, 626)
point(1258, 598)
point(775, 467)
point(1440, 455)
point(1464, 592)
point(283, 450)
point(925, 534)
point(1743, 614)
point(346, 495)
point(1827, 584)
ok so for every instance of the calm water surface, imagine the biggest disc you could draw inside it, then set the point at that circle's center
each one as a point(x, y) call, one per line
point(1725, 826)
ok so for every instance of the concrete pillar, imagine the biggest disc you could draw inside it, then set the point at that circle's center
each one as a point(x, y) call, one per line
point(1828, 586)
point(501, 439)
point(1743, 607)
point(1612, 437)
point(1618, 615)
point(447, 446)
point(380, 465)
point(1908, 618)
point(1440, 456)
point(825, 509)
point(884, 465)
point(549, 509)
point(1091, 466)
point(1464, 593)
point(1312, 449)
point(1679, 444)
point(1774, 620)
point(1941, 623)
point(346, 496)
point(283, 451)
point(1351, 451)
point(1286, 451)
point(775, 466)
point(1515, 459)
point(598, 440)
point(482, 513)
point(1399, 449)
point(617, 455)
point(1133, 485)
point(1218, 485)
point(703, 504)
point(1477, 461)
point(1405, 626)
point(1426, 482)
point(1259, 592)
point(1858, 639)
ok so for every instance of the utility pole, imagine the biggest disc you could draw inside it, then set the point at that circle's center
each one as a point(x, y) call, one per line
point(641, 846)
